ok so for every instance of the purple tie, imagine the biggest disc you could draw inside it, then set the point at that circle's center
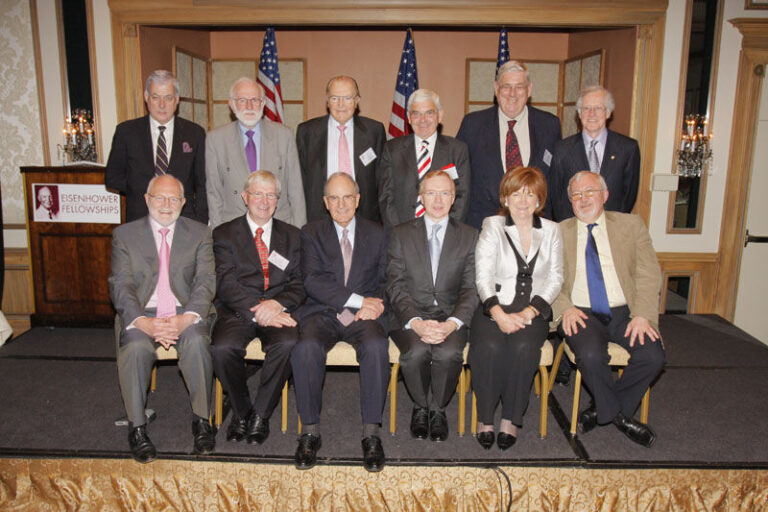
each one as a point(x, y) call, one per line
point(166, 302)
point(250, 152)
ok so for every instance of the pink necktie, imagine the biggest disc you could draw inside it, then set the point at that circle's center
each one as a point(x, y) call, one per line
point(344, 164)
point(166, 302)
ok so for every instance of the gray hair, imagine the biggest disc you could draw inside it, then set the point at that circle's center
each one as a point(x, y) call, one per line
point(422, 95)
point(171, 176)
point(608, 102)
point(512, 66)
point(244, 80)
point(340, 78)
point(342, 175)
point(576, 177)
point(262, 177)
point(161, 76)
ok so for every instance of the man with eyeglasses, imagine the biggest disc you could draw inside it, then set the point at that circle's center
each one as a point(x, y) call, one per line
point(341, 141)
point(157, 144)
point(613, 156)
point(162, 284)
point(431, 287)
point(343, 261)
point(501, 138)
point(610, 293)
point(407, 159)
point(246, 145)
point(258, 288)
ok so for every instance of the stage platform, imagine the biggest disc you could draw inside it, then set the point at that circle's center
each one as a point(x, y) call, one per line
point(60, 449)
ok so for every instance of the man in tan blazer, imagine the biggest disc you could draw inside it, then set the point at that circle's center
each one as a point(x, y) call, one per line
point(610, 292)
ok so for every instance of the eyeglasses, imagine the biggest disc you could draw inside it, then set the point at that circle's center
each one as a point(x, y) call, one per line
point(168, 98)
point(445, 194)
point(590, 110)
point(518, 88)
point(336, 199)
point(576, 196)
point(429, 114)
point(342, 99)
point(242, 102)
point(160, 200)
point(261, 195)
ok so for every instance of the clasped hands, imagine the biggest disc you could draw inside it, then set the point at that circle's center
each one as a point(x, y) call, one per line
point(166, 330)
point(433, 331)
point(637, 328)
point(512, 322)
point(270, 314)
point(371, 309)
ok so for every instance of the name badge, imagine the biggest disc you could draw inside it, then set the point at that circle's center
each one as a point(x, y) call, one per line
point(368, 156)
point(278, 260)
point(547, 157)
point(451, 170)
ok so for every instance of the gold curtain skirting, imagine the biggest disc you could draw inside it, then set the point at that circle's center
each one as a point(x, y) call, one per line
point(109, 484)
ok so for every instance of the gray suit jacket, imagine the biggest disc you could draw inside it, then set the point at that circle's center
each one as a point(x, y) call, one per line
point(135, 268)
point(226, 168)
point(409, 274)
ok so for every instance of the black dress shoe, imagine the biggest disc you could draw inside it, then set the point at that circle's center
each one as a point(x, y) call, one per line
point(420, 422)
point(142, 448)
point(563, 375)
point(438, 426)
point(588, 419)
point(486, 439)
point(202, 433)
point(237, 428)
point(504, 440)
point(638, 432)
point(258, 429)
point(306, 452)
point(373, 454)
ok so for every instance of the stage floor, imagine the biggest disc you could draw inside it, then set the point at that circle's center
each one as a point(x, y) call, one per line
point(60, 399)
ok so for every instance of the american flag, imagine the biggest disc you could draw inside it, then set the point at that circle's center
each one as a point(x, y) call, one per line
point(503, 49)
point(269, 78)
point(407, 82)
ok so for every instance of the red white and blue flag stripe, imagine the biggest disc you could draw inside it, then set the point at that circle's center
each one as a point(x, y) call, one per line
point(407, 82)
point(269, 78)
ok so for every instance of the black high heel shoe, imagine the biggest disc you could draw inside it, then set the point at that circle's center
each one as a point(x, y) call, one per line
point(505, 440)
point(485, 439)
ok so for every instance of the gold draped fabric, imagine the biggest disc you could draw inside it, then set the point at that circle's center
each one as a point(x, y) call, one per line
point(168, 485)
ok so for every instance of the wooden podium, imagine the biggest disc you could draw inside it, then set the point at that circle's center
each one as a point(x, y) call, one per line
point(70, 261)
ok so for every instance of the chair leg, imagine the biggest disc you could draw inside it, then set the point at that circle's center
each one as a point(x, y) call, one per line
point(461, 390)
point(393, 399)
point(473, 423)
point(556, 365)
point(576, 396)
point(544, 402)
point(644, 406)
point(219, 403)
point(284, 410)
point(298, 420)
point(153, 379)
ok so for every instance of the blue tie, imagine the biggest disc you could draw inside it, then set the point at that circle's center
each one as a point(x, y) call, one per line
point(598, 298)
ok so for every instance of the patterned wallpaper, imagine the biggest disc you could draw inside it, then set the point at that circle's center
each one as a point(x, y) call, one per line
point(20, 138)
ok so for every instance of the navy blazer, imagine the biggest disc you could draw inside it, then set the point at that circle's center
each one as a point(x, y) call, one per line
point(312, 143)
point(323, 266)
point(620, 169)
point(480, 130)
point(239, 276)
point(131, 165)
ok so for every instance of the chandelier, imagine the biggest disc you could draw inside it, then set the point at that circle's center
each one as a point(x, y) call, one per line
point(78, 145)
point(695, 154)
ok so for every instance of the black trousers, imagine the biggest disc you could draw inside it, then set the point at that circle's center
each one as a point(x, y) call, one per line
point(231, 336)
point(590, 346)
point(319, 333)
point(503, 366)
point(426, 367)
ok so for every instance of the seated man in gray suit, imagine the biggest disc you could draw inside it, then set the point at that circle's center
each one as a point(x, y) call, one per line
point(433, 299)
point(162, 284)
point(407, 159)
point(244, 146)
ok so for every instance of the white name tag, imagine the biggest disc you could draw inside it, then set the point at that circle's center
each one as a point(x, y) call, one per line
point(278, 260)
point(451, 170)
point(368, 156)
point(547, 157)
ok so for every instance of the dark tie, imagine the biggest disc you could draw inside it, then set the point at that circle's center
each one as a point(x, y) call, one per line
point(161, 159)
point(346, 317)
point(250, 152)
point(263, 256)
point(598, 297)
point(513, 149)
point(594, 163)
point(422, 165)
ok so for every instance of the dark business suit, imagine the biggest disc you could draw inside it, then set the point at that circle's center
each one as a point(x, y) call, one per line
point(132, 281)
point(620, 168)
point(323, 269)
point(312, 143)
point(399, 185)
point(412, 294)
point(480, 130)
point(240, 286)
point(131, 165)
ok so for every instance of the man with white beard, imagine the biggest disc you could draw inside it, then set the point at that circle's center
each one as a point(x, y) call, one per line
point(249, 144)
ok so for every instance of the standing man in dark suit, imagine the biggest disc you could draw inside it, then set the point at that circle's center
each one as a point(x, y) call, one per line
point(156, 144)
point(504, 137)
point(258, 287)
point(162, 284)
point(596, 148)
point(343, 260)
point(341, 141)
point(431, 286)
point(251, 143)
point(407, 159)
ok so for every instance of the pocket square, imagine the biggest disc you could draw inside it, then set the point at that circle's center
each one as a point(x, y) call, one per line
point(185, 147)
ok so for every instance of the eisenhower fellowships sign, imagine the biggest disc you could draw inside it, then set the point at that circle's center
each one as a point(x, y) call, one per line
point(61, 202)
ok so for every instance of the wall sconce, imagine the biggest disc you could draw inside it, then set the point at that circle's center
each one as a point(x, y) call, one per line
point(695, 154)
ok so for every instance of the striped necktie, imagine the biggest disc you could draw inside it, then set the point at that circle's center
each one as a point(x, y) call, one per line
point(422, 164)
point(161, 158)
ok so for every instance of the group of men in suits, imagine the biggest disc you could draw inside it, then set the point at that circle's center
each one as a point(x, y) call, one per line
point(343, 276)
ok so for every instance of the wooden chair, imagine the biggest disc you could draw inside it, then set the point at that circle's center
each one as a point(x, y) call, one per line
point(618, 357)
